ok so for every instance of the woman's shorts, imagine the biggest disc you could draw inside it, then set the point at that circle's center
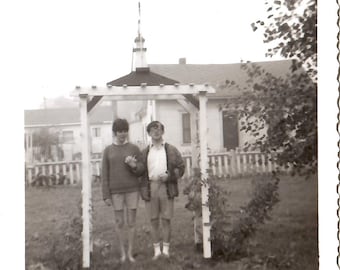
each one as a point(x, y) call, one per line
point(129, 199)
point(159, 205)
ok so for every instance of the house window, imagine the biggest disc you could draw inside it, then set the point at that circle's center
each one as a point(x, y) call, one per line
point(67, 136)
point(96, 132)
point(230, 130)
point(186, 128)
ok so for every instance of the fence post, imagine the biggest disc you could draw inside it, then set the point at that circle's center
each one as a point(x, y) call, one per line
point(263, 161)
point(270, 162)
point(57, 170)
point(36, 171)
point(43, 170)
point(78, 170)
point(257, 168)
point(238, 162)
point(219, 164)
point(98, 168)
point(213, 166)
point(245, 163)
point(188, 167)
point(64, 172)
point(233, 169)
point(226, 166)
point(29, 176)
point(50, 171)
point(70, 167)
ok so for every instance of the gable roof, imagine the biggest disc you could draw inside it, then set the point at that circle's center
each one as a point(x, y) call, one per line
point(142, 75)
point(62, 116)
point(214, 74)
point(217, 74)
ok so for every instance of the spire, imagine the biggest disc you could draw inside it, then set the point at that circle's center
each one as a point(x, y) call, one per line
point(139, 52)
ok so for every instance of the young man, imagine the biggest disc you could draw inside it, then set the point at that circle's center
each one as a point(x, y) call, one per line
point(164, 166)
point(120, 170)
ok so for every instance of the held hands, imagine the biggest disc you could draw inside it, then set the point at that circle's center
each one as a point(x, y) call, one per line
point(108, 202)
point(176, 173)
point(131, 161)
point(163, 177)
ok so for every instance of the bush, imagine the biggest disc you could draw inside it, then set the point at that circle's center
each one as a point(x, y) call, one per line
point(229, 239)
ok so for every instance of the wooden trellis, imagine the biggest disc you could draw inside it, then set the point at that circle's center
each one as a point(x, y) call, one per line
point(90, 97)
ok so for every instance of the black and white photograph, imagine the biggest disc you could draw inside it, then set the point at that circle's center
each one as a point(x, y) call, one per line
point(171, 135)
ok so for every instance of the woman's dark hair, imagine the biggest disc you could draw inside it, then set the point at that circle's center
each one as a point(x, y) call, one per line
point(154, 124)
point(120, 125)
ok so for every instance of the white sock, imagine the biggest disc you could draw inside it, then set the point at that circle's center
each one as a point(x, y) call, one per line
point(166, 248)
point(157, 249)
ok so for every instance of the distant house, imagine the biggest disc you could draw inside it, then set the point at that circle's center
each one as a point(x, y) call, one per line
point(65, 124)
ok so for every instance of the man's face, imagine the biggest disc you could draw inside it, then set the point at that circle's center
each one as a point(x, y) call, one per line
point(121, 136)
point(156, 132)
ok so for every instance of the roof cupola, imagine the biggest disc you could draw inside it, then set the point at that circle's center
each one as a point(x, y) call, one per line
point(139, 51)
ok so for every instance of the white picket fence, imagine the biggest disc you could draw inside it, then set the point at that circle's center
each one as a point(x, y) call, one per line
point(222, 164)
point(59, 172)
point(235, 164)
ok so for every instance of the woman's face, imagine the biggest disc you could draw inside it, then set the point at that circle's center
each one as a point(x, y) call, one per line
point(121, 136)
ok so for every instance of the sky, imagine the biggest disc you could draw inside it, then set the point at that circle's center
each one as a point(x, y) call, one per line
point(48, 47)
point(63, 44)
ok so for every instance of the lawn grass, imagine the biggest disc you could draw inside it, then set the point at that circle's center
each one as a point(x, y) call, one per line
point(287, 241)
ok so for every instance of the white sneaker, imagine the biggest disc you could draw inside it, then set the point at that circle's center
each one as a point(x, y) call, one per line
point(156, 256)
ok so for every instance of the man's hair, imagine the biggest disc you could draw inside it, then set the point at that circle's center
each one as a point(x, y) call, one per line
point(154, 124)
point(120, 125)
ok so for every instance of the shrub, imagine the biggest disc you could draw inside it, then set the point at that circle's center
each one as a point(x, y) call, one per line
point(229, 240)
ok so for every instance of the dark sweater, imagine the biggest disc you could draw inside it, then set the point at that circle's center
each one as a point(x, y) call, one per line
point(118, 177)
point(174, 161)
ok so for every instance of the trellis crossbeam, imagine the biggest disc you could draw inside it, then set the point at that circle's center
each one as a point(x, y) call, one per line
point(143, 90)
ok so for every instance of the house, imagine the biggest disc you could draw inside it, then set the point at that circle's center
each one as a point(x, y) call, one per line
point(223, 125)
point(64, 124)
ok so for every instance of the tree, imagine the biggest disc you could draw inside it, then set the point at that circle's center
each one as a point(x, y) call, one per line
point(45, 139)
point(285, 106)
point(291, 27)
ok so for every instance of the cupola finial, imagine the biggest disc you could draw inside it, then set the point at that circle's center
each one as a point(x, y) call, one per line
point(139, 50)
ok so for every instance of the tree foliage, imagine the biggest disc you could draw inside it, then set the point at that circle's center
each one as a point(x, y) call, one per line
point(291, 27)
point(285, 106)
point(45, 139)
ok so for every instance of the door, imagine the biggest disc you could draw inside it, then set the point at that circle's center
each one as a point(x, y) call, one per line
point(230, 130)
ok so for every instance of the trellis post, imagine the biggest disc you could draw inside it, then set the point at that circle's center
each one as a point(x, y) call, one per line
point(204, 174)
point(86, 182)
point(194, 161)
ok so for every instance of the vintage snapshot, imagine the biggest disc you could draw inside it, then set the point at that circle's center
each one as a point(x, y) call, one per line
point(173, 135)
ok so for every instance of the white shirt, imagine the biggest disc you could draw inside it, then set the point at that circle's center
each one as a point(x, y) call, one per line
point(156, 161)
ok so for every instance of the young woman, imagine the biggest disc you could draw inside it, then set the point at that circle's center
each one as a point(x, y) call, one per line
point(120, 170)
